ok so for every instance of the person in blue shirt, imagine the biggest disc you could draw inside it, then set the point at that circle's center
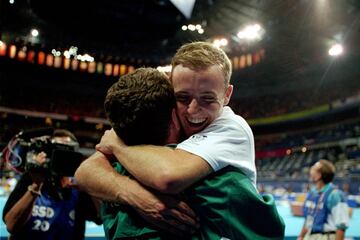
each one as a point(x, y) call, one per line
point(44, 206)
point(325, 209)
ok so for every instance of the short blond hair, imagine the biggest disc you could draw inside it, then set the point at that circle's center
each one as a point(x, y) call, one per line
point(201, 55)
point(327, 170)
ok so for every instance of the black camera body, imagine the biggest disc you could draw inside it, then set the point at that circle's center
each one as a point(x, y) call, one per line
point(61, 159)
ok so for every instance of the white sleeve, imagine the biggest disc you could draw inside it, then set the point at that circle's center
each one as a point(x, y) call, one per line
point(221, 144)
point(341, 215)
point(339, 209)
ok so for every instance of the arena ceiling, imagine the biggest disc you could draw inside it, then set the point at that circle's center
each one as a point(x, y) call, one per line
point(297, 35)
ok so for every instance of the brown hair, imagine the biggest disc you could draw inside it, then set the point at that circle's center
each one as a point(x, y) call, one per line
point(327, 170)
point(139, 106)
point(201, 55)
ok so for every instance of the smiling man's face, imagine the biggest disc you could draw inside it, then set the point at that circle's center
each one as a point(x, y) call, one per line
point(200, 95)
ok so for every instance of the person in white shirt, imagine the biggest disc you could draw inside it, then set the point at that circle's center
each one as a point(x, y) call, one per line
point(216, 138)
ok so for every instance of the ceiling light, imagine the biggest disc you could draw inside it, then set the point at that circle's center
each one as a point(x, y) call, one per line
point(216, 42)
point(223, 41)
point(256, 27)
point(66, 54)
point(34, 32)
point(191, 27)
point(251, 32)
point(11, 1)
point(336, 50)
point(73, 50)
point(220, 42)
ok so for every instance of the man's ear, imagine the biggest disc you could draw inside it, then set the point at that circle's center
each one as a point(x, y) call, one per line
point(228, 94)
point(319, 178)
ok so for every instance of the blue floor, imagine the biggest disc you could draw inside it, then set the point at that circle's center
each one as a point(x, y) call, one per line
point(293, 224)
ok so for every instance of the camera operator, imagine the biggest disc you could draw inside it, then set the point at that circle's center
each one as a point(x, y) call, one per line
point(46, 204)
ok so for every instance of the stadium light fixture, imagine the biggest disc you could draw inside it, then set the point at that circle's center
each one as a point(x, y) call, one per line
point(34, 32)
point(224, 42)
point(193, 27)
point(220, 42)
point(56, 53)
point(251, 32)
point(67, 54)
point(336, 50)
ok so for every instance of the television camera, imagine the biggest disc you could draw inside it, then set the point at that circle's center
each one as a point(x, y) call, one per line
point(62, 159)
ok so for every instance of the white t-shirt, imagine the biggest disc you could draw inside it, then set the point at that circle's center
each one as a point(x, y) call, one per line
point(228, 140)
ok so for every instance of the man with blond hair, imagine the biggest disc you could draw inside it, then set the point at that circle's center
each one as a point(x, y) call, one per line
point(326, 212)
point(215, 156)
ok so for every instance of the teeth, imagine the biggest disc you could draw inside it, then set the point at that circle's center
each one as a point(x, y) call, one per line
point(196, 120)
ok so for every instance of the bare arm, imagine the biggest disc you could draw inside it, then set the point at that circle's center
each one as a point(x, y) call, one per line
point(340, 234)
point(302, 233)
point(162, 168)
point(20, 213)
point(96, 176)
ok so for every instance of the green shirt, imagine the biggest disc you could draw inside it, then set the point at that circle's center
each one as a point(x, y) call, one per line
point(226, 201)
